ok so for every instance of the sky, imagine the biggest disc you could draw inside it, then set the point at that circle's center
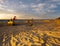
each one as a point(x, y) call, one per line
point(27, 9)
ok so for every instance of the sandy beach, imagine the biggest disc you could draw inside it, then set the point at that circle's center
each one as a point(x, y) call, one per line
point(45, 33)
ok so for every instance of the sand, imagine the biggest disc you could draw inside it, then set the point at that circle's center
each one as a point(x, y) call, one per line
point(40, 34)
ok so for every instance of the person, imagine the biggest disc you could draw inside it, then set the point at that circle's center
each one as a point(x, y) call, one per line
point(14, 20)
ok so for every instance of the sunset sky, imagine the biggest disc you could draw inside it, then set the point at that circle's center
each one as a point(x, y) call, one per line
point(26, 9)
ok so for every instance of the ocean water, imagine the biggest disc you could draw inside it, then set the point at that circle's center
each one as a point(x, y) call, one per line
point(15, 20)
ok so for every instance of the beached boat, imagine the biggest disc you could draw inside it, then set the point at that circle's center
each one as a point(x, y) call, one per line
point(12, 21)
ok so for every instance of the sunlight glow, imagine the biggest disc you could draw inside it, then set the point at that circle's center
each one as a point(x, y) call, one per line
point(8, 16)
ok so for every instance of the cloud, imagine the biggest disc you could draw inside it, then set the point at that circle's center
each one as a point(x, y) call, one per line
point(53, 6)
point(5, 9)
point(18, 16)
point(1, 1)
point(9, 16)
point(44, 7)
point(39, 7)
point(22, 6)
point(32, 7)
point(55, 0)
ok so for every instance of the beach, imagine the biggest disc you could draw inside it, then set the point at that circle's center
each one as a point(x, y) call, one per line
point(41, 33)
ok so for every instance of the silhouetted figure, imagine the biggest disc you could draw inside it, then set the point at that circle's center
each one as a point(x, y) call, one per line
point(14, 20)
